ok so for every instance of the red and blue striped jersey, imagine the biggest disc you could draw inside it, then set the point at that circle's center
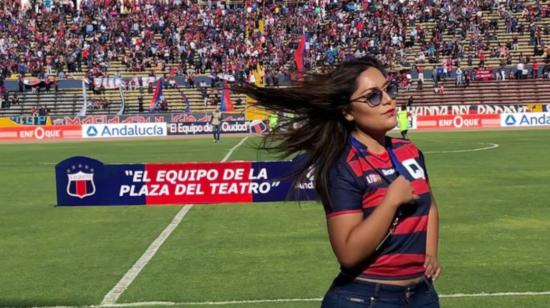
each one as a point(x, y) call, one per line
point(358, 183)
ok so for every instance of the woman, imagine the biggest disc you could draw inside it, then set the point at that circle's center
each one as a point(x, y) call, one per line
point(381, 217)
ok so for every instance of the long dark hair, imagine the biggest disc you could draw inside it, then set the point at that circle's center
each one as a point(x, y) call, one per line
point(317, 128)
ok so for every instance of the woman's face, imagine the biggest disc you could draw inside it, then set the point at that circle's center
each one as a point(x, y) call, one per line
point(367, 118)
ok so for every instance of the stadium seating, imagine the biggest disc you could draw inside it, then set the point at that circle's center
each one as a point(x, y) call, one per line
point(70, 101)
point(527, 91)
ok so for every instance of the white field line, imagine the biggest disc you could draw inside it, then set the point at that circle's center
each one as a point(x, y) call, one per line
point(288, 300)
point(498, 294)
point(234, 148)
point(114, 294)
point(490, 147)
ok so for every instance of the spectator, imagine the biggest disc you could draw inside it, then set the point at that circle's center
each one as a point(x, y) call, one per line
point(535, 70)
point(420, 74)
point(21, 84)
point(439, 89)
point(172, 83)
point(459, 77)
point(216, 122)
point(410, 101)
point(519, 70)
point(435, 76)
point(204, 93)
point(164, 104)
point(140, 103)
point(15, 100)
point(501, 71)
point(5, 97)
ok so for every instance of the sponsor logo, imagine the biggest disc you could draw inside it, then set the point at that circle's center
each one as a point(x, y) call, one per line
point(373, 178)
point(124, 130)
point(458, 122)
point(388, 172)
point(309, 182)
point(35, 132)
point(200, 128)
point(81, 181)
point(40, 133)
point(92, 131)
point(530, 119)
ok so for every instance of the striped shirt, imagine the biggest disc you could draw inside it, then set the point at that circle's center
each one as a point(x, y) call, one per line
point(357, 185)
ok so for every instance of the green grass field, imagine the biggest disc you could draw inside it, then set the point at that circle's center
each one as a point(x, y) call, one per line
point(495, 229)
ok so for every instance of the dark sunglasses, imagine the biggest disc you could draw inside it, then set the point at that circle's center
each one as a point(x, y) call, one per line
point(375, 96)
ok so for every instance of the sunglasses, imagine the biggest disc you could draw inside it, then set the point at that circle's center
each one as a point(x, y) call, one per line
point(375, 96)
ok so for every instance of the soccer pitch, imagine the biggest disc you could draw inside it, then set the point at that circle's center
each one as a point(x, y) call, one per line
point(492, 189)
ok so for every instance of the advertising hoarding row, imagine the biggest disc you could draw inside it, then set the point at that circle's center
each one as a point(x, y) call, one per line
point(133, 129)
point(39, 133)
point(126, 130)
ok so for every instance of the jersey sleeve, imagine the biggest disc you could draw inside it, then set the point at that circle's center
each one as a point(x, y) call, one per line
point(345, 192)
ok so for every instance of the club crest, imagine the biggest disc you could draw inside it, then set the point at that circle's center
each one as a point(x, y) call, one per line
point(81, 181)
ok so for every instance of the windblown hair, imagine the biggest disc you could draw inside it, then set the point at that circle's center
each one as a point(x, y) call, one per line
point(318, 128)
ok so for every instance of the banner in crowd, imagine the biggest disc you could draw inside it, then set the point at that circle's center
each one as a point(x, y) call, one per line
point(37, 83)
point(18, 120)
point(115, 83)
point(535, 107)
point(484, 74)
point(254, 113)
point(38, 133)
point(458, 121)
point(86, 181)
point(531, 119)
point(227, 127)
point(108, 83)
point(475, 109)
point(143, 118)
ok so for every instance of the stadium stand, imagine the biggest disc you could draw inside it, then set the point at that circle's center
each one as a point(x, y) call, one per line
point(186, 40)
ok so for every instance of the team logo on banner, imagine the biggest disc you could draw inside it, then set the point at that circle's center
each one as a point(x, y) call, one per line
point(80, 184)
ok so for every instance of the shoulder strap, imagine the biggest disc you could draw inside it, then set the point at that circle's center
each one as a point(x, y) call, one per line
point(397, 165)
point(399, 168)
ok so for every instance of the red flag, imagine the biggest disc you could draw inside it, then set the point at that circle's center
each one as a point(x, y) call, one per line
point(299, 56)
point(156, 95)
point(226, 103)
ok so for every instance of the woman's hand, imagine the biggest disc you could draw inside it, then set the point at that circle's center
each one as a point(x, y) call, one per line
point(433, 269)
point(400, 192)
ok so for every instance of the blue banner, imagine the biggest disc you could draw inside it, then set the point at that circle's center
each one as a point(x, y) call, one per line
point(86, 181)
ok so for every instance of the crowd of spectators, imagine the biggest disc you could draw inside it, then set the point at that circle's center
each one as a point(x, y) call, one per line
point(151, 35)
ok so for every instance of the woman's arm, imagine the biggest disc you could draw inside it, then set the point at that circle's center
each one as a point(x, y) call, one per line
point(433, 269)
